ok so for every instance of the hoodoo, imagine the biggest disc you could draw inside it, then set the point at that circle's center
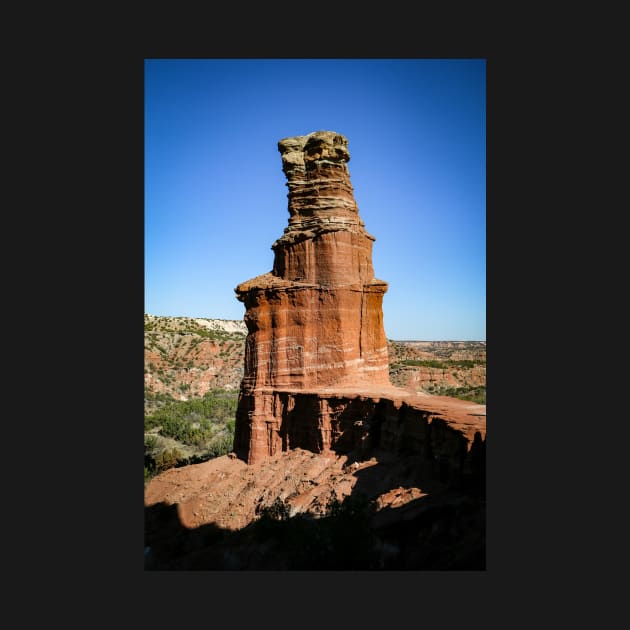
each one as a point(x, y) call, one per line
point(316, 320)
point(316, 367)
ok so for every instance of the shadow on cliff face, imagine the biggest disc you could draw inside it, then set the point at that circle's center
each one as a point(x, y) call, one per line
point(442, 530)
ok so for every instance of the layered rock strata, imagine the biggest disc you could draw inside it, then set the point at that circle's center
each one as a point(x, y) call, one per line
point(316, 360)
point(316, 319)
point(446, 432)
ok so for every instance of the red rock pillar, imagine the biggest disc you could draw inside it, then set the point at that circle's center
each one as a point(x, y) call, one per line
point(316, 320)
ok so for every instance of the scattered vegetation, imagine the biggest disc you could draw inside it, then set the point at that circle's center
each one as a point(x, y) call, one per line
point(448, 368)
point(444, 365)
point(205, 425)
point(184, 326)
point(157, 396)
point(476, 394)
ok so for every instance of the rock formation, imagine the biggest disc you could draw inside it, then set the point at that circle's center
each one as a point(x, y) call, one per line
point(316, 320)
point(316, 362)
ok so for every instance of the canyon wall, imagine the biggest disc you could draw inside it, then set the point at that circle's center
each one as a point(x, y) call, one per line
point(449, 433)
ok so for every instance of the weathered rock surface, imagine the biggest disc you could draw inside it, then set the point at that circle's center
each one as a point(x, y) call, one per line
point(316, 319)
point(186, 357)
point(438, 429)
point(212, 515)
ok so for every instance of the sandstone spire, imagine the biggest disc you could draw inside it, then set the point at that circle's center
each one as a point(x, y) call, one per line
point(316, 319)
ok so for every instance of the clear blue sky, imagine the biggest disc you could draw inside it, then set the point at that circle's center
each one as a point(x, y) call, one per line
point(215, 194)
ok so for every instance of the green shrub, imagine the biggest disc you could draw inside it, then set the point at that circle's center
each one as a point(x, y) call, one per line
point(148, 473)
point(277, 511)
point(205, 423)
point(150, 442)
point(167, 459)
point(221, 445)
point(470, 393)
